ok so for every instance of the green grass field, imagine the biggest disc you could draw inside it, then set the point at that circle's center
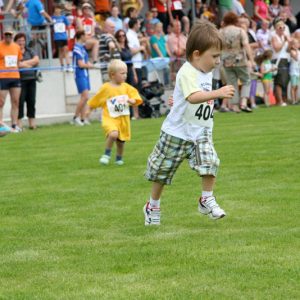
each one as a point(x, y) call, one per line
point(72, 229)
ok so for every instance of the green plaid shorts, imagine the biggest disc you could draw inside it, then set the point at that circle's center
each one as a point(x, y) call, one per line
point(169, 152)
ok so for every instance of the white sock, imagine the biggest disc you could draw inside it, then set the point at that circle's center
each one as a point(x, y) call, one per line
point(206, 194)
point(154, 203)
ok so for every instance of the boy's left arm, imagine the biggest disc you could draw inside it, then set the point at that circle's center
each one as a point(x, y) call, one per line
point(134, 96)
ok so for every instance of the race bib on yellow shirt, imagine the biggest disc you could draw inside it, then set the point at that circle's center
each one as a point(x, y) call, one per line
point(118, 106)
point(11, 61)
point(59, 27)
point(200, 114)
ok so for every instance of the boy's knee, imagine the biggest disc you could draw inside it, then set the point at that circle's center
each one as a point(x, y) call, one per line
point(114, 135)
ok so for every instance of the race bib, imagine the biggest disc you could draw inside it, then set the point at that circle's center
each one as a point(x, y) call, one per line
point(87, 29)
point(72, 33)
point(200, 114)
point(11, 61)
point(59, 27)
point(118, 106)
point(177, 5)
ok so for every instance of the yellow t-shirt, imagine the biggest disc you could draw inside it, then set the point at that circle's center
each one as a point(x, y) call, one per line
point(113, 100)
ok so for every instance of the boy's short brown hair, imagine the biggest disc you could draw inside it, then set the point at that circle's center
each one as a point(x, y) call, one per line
point(203, 36)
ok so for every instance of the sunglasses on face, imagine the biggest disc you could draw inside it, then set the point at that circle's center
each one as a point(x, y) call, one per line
point(121, 35)
point(8, 34)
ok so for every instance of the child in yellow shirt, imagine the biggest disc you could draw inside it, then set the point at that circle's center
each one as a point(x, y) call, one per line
point(115, 97)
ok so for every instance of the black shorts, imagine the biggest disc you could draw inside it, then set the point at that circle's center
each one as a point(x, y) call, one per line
point(60, 44)
point(8, 83)
point(178, 14)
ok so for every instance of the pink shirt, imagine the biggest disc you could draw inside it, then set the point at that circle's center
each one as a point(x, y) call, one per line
point(262, 9)
point(177, 44)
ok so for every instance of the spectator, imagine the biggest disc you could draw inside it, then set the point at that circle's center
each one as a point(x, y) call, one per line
point(108, 48)
point(261, 12)
point(28, 82)
point(198, 11)
point(263, 36)
point(274, 9)
point(160, 11)
point(291, 19)
point(279, 43)
point(238, 8)
point(177, 46)
point(60, 27)
point(295, 70)
point(137, 4)
point(137, 51)
point(266, 69)
point(236, 51)
point(126, 56)
point(81, 65)
point(250, 31)
point(224, 6)
point(131, 13)
point(176, 13)
point(10, 61)
point(149, 23)
point(71, 32)
point(160, 48)
point(115, 18)
point(88, 24)
point(37, 15)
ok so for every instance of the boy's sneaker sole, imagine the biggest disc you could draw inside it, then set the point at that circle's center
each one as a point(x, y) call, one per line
point(152, 215)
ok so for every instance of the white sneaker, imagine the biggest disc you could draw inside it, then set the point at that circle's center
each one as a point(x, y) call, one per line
point(86, 122)
point(4, 130)
point(152, 214)
point(77, 122)
point(104, 159)
point(211, 208)
point(16, 129)
point(119, 162)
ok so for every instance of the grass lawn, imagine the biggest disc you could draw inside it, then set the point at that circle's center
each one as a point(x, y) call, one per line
point(72, 229)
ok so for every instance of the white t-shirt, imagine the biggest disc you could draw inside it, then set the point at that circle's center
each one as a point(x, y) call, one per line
point(295, 65)
point(133, 42)
point(237, 7)
point(185, 120)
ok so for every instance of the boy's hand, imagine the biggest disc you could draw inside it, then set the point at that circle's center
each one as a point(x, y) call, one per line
point(226, 91)
point(131, 101)
point(170, 101)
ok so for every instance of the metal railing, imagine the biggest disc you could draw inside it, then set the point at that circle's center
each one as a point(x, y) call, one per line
point(39, 40)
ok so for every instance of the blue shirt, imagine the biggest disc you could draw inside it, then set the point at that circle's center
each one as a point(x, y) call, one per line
point(117, 21)
point(60, 28)
point(161, 43)
point(79, 53)
point(34, 8)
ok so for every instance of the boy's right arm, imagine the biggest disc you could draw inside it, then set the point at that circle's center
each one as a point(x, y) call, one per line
point(226, 91)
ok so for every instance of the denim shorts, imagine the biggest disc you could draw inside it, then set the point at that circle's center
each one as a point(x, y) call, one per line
point(169, 152)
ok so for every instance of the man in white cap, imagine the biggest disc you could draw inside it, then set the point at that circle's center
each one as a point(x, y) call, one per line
point(10, 61)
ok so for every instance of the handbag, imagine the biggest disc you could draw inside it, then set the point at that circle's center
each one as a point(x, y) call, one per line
point(39, 76)
point(275, 72)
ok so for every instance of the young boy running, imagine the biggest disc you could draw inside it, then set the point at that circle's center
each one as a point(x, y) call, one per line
point(115, 97)
point(187, 131)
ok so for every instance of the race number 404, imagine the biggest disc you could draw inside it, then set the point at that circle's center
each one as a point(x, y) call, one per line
point(204, 112)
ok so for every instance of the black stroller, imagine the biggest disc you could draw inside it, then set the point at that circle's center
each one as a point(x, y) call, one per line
point(151, 93)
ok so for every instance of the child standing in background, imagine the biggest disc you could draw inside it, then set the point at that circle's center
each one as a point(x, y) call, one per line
point(60, 26)
point(115, 97)
point(266, 70)
point(295, 69)
point(254, 75)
